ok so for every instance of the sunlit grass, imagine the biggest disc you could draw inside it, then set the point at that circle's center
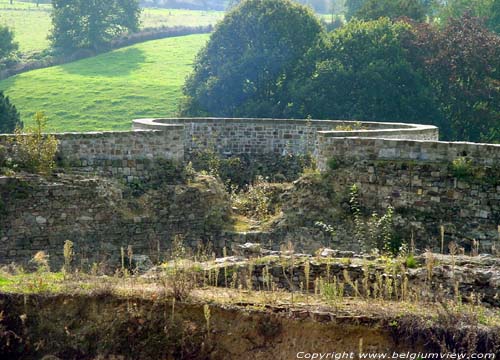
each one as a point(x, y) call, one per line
point(107, 91)
point(32, 24)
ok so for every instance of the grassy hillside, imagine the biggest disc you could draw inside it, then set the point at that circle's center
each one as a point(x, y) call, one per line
point(32, 24)
point(107, 91)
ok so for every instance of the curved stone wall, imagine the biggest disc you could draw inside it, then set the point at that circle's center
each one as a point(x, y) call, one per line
point(256, 136)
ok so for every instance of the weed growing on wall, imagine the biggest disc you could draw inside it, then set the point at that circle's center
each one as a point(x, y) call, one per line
point(34, 150)
point(462, 167)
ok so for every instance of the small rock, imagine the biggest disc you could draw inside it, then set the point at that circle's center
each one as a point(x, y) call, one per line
point(230, 259)
point(41, 220)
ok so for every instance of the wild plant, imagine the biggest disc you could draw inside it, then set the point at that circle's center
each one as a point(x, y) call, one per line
point(224, 252)
point(249, 283)
point(352, 284)
point(41, 261)
point(122, 258)
point(458, 295)
point(386, 226)
point(452, 247)
point(69, 254)
point(288, 249)
point(404, 286)
point(307, 271)
point(430, 263)
point(34, 149)
point(366, 280)
point(326, 228)
point(332, 292)
point(266, 277)
point(234, 280)
point(441, 231)
point(130, 255)
point(475, 247)
point(206, 313)
point(180, 274)
point(359, 228)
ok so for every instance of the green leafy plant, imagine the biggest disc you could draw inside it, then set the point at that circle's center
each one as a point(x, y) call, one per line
point(462, 167)
point(34, 150)
point(69, 255)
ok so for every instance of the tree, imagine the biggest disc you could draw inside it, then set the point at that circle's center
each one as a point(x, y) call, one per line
point(462, 62)
point(7, 44)
point(453, 9)
point(252, 52)
point(494, 17)
point(393, 9)
point(91, 24)
point(361, 71)
point(352, 7)
point(9, 117)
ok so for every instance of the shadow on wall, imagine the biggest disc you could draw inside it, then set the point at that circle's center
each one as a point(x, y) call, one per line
point(114, 64)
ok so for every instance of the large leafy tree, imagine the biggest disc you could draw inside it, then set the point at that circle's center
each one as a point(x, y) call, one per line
point(494, 16)
point(462, 62)
point(91, 24)
point(252, 52)
point(452, 9)
point(361, 71)
point(375, 9)
point(352, 7)
point(9, 117)
point(7, 44)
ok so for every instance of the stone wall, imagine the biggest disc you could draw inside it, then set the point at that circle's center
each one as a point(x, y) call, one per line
point(126, 154)
point(359, 149)
point(413, 175)
point(129, 154)
point(281, 136)
point(100, 217)
point(418, 179)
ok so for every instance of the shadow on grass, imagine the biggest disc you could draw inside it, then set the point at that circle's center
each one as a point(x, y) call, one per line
point(112, 64)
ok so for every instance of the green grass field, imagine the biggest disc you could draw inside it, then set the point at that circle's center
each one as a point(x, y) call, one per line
point(31, 25)
point(107, 91)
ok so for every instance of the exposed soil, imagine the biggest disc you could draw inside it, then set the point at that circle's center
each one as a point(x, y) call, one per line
point(107, 326)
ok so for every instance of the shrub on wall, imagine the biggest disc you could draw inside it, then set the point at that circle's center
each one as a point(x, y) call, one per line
point(34, 150)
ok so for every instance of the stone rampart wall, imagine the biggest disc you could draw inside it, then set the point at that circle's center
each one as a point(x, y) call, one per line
point(281, 136)
point(125, 154)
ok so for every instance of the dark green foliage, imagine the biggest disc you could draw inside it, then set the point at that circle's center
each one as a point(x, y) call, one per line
point(7, 44)
point(453, 9)
point(375, 9)
point(91, 24)
point(494, 17)
point(462, 61)
point(352, 7)
point(9, 117)
point(333, 164)
point(249, 56)
point(361, 72)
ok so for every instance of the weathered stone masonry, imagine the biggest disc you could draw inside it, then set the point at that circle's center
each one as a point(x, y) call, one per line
point(399, 164)
point(127, 154)
point(417, 179)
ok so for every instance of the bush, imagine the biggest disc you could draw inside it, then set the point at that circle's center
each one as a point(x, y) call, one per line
point(462, 167)
point(180, 273)
point(9, 116)
point(332, 163)
point(34, 150)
